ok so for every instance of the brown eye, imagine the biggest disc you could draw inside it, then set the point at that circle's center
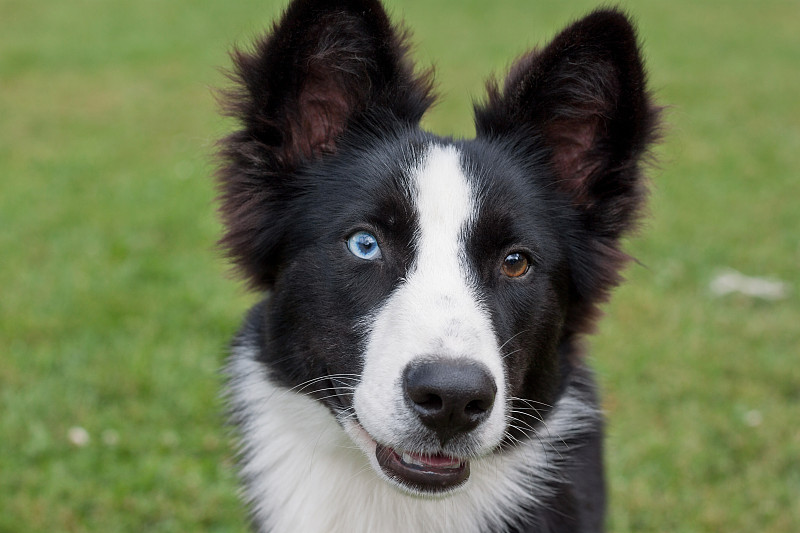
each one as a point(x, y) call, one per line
point(515, 265)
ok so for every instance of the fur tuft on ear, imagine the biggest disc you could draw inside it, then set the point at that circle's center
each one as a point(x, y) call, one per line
point(327, 66)
point(583, 99)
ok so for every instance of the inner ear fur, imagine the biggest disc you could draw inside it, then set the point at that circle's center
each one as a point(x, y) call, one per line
point(323, 64)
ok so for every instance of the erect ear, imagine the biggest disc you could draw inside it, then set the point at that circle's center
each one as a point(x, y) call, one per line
point(582, 103)
point(324, 62)
point(584, 98)
point(324, 66)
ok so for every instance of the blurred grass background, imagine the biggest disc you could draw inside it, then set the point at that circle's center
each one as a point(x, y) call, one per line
point(116, 310)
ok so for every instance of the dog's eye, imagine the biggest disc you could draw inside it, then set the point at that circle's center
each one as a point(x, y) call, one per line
point(364, 245)
point(515, 264)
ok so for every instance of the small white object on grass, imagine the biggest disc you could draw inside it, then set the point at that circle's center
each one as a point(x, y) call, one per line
point(78, 436)
point(731, 281)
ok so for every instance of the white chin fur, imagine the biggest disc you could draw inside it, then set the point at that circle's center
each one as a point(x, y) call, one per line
point(368, 445)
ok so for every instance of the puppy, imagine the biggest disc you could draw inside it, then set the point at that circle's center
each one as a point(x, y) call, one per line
point(415, 364)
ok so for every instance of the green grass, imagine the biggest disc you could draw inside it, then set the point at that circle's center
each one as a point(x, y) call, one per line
point(115, 309)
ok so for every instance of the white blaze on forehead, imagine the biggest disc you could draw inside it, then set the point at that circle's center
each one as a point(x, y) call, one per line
point(440, 290)
point(435, 313)
point(445, 205)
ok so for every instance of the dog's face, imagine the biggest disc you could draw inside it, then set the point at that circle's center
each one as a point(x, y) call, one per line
point(449, 343)
point(429, 291)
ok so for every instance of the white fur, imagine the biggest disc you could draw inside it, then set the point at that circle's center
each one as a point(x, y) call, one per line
point(434, 313)
point(303, 473)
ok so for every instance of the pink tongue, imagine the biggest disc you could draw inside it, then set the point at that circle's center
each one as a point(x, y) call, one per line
point(437, 461)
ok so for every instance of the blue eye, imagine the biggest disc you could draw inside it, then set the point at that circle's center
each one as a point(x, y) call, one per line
point(364, 245)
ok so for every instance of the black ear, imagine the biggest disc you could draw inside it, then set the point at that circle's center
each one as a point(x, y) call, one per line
point(582, 103)
point(326, 66)
point(584, 97)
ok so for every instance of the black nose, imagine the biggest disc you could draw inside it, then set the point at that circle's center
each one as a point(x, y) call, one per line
point(450, 396)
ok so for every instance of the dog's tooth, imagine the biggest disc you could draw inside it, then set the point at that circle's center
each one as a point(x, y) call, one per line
point(410, 460)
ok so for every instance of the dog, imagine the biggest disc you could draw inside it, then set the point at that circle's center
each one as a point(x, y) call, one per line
point(416, 362)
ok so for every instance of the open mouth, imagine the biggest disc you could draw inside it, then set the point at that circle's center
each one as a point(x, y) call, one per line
point(424, 473)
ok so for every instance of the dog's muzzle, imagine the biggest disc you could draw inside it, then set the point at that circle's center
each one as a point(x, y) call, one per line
point(450, 397)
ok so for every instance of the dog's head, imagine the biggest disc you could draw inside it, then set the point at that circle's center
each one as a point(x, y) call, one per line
point(429, 291)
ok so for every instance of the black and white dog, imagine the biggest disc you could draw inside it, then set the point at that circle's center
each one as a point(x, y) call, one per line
point(416, 362)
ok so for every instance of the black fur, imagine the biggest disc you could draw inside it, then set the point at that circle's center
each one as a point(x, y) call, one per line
point(328, 106)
